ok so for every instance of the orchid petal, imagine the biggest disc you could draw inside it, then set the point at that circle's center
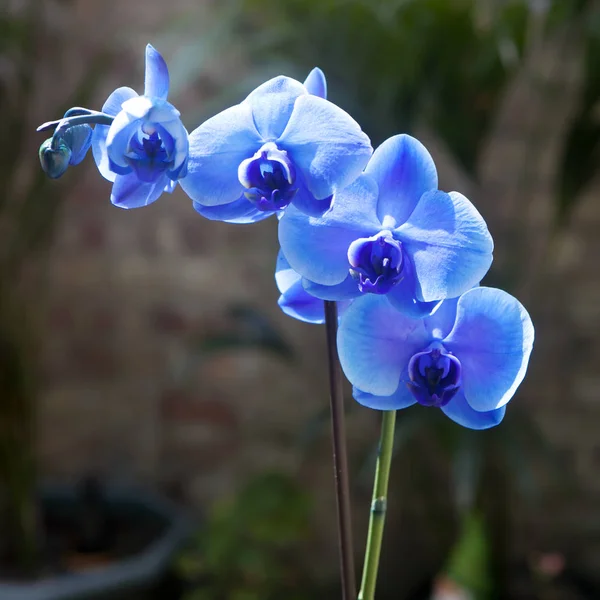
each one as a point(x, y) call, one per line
point(112, 107)
point(317, 247)
point(460, 412)
point(316, 84)
point(272, 104)
point(493, 338)
point(217, 148)
point(157, 75)
point(305, 202)
point(326, 144)
point(346, 290)
point(376, 342)
point(295, 301)
point(449, 244)
point(403, 295)
point(129, 192)
point(122, 129)
point(242, 211)
point(404, 171)
point(401, 398)
point(441, 322)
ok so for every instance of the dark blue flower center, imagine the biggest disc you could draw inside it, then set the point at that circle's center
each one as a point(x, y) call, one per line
point(376, 263)
point(269, 177)
point(148, 156)
point(435, 376)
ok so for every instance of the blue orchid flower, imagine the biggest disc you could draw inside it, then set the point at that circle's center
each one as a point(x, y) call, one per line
point(294, 300)
point(393, 233)
point(145, 149)
point(284, 144)
point(467, 359)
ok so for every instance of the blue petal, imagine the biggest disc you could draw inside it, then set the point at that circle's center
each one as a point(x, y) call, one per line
point(492, 338)
point(118, 169)
point(376, 342)
point(272, 104)
point(217, 148)
point(317, 248)
point(157, 75)
point(316, 84)
point(441, 322)
point(346, 290)
point(114, 102)
point(449, 243)
point(178, 135)
point(460, 412)
point(242, 211)
point(285, 276)
point(112, 106)
point(294, 300)
point(79, 140)
point(296, 303)
point(403, 295)
point(129, 192)
point(308, 204)
point(154, 110)
point(401, 398)
point(404, 171)
point(326, 144)
point(122, 129)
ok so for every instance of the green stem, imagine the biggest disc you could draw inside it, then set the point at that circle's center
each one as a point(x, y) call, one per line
point(378, 507)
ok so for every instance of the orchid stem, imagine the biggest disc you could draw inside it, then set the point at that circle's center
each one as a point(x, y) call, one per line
point(340, 456)
point(378, 506)
point(88, 118)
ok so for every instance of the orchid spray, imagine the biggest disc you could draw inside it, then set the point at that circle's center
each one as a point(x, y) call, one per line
point(369, 246)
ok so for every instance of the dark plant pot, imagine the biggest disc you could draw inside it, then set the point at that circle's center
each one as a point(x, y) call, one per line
point(122, 579)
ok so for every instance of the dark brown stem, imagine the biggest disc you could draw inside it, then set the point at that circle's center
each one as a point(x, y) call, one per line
point(340, 456)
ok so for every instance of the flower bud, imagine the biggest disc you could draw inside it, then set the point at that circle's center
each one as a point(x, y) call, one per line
point(79, 139)
point(54, 161)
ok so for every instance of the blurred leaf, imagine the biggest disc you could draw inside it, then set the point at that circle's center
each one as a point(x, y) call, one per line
point(248, 548)
point(469, 562)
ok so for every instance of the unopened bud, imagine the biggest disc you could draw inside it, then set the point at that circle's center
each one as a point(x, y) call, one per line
point(54, 161)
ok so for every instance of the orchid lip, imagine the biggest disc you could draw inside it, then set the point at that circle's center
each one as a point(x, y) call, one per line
point(376, 263)
point(147, 155)
point(435, 376)
point(269, 178)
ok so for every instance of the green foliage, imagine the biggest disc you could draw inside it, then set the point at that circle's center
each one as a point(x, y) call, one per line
point(249, 549)
point(468, 564)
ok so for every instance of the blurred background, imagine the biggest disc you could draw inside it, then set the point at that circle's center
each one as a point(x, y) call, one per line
point(150, 389)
